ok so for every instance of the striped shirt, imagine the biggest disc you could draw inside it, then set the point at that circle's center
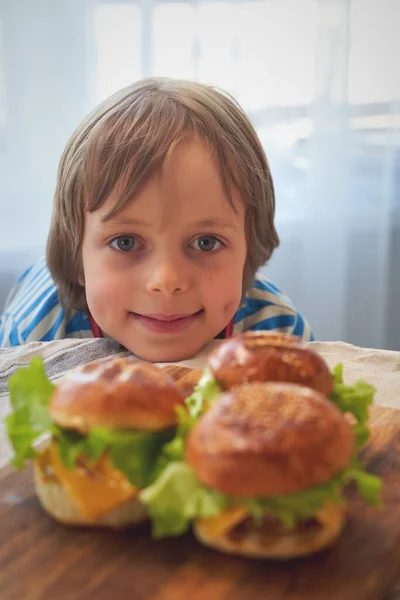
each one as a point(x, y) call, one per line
point(33, 312)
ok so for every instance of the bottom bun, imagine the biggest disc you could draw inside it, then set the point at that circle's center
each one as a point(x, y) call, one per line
point(56, 501)
point(274, 546)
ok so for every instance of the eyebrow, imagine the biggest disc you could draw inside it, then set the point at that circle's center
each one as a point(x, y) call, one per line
point(125, 221)
point(203, 224)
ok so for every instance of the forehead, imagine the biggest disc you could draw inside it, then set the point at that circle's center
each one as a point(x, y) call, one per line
point(187, 185)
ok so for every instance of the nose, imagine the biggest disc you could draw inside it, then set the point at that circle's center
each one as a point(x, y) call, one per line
point(169, 277)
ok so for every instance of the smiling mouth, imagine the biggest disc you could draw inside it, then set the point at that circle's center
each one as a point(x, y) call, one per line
point(166, 323)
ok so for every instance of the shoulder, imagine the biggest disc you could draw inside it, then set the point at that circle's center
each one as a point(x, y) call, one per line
point(35, 276)
point(266, 307)
point(34, 313)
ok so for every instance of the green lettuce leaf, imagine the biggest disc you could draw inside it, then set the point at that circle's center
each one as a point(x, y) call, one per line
point(300, 506)
point(205, 393)
point(175, 449)
point(135, 453)
point(176, 498)
point(355, 399)
point(369, 486)
point(30, 392)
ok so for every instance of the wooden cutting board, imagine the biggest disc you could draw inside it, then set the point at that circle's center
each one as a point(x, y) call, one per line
point(40, 559)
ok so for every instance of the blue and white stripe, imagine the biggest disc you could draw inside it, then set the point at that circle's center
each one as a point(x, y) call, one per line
point(266, 307)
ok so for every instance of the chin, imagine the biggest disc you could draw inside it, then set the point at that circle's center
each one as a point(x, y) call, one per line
point(167, 352)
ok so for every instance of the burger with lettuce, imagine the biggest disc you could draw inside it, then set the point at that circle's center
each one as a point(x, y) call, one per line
point(264, 451)
point(103, 425)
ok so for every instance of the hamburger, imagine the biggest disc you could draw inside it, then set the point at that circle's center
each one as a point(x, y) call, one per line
point(266, 447)
point(105, 424)
point(260, 462)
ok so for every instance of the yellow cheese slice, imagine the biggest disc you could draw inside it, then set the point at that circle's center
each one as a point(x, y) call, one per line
point(219, 525)
point(331, 515)
point(95, 491)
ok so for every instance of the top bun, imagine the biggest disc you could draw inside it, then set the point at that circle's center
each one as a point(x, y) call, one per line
point(268, 439)
point(121, 393)
point(263, 356)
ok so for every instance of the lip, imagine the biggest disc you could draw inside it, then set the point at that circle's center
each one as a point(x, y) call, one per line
point(165, 317)
point(163, 323)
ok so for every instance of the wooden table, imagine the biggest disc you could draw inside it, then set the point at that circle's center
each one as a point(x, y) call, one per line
point(40, 559)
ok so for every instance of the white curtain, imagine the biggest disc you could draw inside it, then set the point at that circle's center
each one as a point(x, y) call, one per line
point(321, 83)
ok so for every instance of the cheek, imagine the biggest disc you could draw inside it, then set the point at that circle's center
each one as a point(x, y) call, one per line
point(105, 286)
point(224, 289)
point(103, 295)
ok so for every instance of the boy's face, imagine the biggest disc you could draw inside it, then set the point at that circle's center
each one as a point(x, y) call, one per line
point(164, 276)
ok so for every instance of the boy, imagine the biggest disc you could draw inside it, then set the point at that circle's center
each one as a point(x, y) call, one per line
point(163, 212)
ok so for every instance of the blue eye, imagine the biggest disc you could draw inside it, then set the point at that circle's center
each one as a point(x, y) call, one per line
point(206, 243)
point(124, 243)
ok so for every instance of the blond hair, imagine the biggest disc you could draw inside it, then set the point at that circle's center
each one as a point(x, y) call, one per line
point(126, 139)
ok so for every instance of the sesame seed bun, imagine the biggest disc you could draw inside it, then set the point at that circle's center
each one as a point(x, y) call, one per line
point(263, 356)
point(122, 393)
point(263, 440)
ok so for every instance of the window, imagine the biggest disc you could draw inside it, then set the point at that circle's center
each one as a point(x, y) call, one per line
point(118, 31)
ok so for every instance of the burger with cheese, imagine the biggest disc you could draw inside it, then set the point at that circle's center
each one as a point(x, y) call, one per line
point(259, 468)
point(106, 424)
point(278, 453)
